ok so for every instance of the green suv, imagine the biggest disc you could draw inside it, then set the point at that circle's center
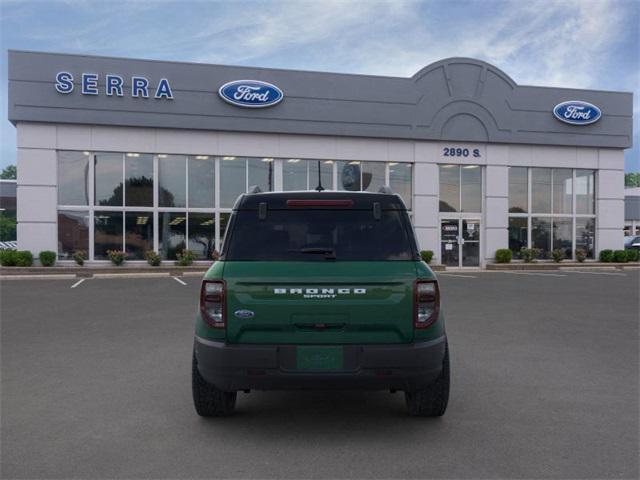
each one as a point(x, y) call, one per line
point(320, 290)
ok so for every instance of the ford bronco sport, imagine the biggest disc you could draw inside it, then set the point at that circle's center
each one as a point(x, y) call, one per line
point(319, 290)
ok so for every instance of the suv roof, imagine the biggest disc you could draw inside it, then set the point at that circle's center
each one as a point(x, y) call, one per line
point(361, 200)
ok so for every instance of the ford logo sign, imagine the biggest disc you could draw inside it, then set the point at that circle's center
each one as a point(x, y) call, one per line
point(577, 112)
point(244, 313)
point(250, 93)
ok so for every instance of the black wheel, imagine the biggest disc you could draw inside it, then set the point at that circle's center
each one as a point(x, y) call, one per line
point(432, 400)
point(208, 400)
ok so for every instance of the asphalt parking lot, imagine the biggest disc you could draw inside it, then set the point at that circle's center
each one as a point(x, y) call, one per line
point(96, 384)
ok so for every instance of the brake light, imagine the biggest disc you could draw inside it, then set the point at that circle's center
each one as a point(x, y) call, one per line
point(426, 303)
point(212, 303)
point(320, 203)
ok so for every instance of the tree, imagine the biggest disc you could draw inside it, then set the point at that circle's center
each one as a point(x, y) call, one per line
point(632, 179)
point(9, 173)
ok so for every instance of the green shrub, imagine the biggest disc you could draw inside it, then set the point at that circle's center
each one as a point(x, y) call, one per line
point(117, 257)
point(581, 254)
point(633, 255)
point(558, 255)
point(24, 258)
point(79, 256)
point(426, 255)
point(503, 255)
point(47, 258)
point(8, 258)
point(153, 258)
point(606, 256)
point(526, 254)
point(185, 258)
point(620, 256)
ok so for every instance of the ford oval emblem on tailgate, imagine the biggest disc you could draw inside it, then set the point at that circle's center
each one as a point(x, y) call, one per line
point(244, 313)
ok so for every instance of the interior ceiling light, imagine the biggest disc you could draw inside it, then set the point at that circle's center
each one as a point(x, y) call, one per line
point(329, 162)
point(293, 160)
point(162, 155)
point(470, 166)
point(228, 158)
point(355, 162)
point(267, 159)
point(393, 164)
point(202, 157)
point(86, 153)
point(133, 154)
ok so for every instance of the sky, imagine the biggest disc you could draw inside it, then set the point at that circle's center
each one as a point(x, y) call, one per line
point(560, 43)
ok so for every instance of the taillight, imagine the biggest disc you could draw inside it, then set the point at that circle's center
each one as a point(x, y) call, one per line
point(212, 300)
point(426, 303)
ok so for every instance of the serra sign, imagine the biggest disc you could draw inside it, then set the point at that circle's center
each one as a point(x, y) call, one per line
point(113, 85)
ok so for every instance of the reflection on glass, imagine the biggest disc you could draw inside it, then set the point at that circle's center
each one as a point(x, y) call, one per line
point(73, 233)
point(294, 174)
point(107, 233)
point(108, 179)
point(585, 235)
point(541, 235)
point(471, 188)
point(541, 190)
point(449, 188)
point(73, 178)
point(172, 228)
point(224, 221)
point(138, 237)
point(326, 174)
point(400, 181)
point(202, 234)
point(585, 191)
point(172, 188)
point(562, 231)
point(373, 176)
point(449, 248)
point(562, 190)
point(202, 181)
point(518, 190)
point(261, 173)
point(517, 235)
point(138, 173)
point(233, 180)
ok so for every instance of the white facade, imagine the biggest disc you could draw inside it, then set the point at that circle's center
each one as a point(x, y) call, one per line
point(37, 173)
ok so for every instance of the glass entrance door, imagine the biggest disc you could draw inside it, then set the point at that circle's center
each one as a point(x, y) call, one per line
point(460, 242)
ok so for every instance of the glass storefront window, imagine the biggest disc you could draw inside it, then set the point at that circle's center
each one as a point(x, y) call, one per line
point(172, 231)
point(449, 188)
point(541, 235)
point(107, 233)
point(224, 221)
point(73, 233)
point(326, 174)
point(585, 235)
point(294, 174)
point(202, 234)
point(233, 180)
point(349, 175)
point(138, 237)
point(585, 192)
point(260, 173)
point(172, 187)
point(108, 179)
point(373, 176)
point(400, 179)
point(73, 178)
point(562, 190)
point(471, 188)
point(138, 173)
point(541, 190)
point(562, 235)
point(518, 190)
point(517, 235)
point(202, 182)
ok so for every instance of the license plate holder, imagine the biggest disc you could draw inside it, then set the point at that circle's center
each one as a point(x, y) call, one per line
point(319, 358)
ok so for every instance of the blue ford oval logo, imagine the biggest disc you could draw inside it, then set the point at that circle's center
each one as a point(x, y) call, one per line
point(244, 313)
point(577, 112)
point(251, 93)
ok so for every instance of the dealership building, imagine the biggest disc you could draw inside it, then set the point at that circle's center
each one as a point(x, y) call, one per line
point(138, 155)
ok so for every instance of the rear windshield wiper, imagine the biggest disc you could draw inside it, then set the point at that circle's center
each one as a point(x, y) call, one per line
point(329, 253)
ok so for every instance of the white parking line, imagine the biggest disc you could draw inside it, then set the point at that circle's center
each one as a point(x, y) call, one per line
point(78, 283)
point(598, 273)
point(178, 280)
point(455, 275)
point(536, 273)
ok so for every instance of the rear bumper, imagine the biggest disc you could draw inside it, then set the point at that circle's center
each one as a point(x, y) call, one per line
point(233, 367)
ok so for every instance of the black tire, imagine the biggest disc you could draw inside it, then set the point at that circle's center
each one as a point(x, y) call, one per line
point(432, 400)
point(208, 400)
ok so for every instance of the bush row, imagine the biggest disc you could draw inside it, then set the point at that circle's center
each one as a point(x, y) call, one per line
point(620, 256)
point(504, 255)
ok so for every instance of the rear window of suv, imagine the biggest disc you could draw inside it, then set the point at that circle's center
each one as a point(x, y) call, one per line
point(319, 235)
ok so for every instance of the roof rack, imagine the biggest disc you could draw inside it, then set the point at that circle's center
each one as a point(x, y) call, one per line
point(385, 189)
